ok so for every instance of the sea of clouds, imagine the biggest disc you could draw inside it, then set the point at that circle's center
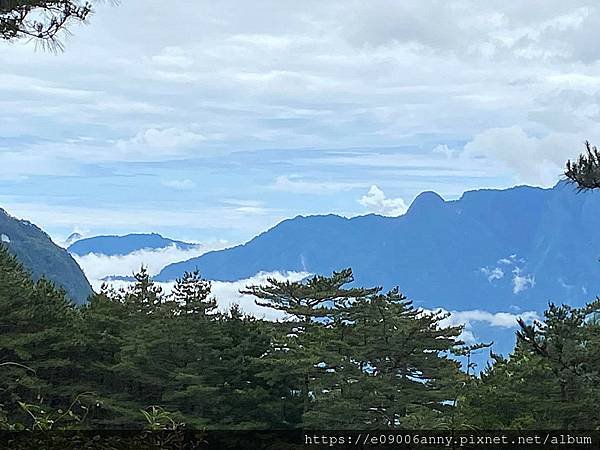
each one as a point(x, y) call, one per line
point(97, 267)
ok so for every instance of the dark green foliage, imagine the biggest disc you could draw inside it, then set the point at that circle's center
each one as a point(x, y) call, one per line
point(343, 358)
point(313, 299)
point(42, 20)
point(585, 172)
point(550, 381)
point(137, 349)
point(361, 351)
point(191, 294)
point(38, 327)
point(39, 255)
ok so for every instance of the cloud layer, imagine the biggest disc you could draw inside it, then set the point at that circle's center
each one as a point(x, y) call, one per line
point(301, 105)
point(228, 293)
point(513, 264)
point(376, 201)
point(97, 266)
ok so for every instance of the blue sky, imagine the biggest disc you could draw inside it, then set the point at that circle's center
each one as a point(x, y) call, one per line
point(215, 120)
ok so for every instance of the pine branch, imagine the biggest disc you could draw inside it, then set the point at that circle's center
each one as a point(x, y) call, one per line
point(585, 172)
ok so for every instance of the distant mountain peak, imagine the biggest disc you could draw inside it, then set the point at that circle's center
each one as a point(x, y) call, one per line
point(426, 201)
point(439, 252)
point(112, 245)
point(74, 237)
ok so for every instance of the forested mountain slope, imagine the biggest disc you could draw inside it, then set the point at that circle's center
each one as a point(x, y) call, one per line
point(42, 257)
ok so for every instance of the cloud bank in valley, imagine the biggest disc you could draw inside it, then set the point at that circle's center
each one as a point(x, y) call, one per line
point(228, 293)
point(98, 266)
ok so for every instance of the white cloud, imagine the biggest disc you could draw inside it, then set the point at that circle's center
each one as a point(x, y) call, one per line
point(468, 318)
point(175, 57)
point(228, 293)
point(467, 336)
point(250, 207)
point(180, 185)
point(519, 84)
point(521, 282)
point(535, 160)
point(492, 274)
point(256, 210)
point(265, 40)
point(376, 201)
point(508, 31)
point(162, 138)
point(97, 266)
point(297, 185)
point(373, 77)
point(125, 218)
point(443, 149)
point(499, 319)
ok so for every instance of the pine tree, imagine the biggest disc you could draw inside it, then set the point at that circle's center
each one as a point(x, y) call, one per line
point(312, 299)
point(42, 20)
point(393, 368)
point(358, 358)
point(144, 296)
point(585, 172)
point(36, 338)
point(105, 325)
point(297, 352)
point(192, 295)
point(550, 381)
point(568, 344)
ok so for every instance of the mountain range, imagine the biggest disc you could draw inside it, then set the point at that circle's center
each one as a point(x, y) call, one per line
point(123, 245)
point(42, 257)
point(498, 250)
point(494, 250)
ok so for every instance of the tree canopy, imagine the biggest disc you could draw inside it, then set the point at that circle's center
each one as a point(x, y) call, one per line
point(343, 357)
point(41, 20)
point(585, 171)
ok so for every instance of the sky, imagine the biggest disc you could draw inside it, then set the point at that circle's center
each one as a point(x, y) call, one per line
point(213, 121)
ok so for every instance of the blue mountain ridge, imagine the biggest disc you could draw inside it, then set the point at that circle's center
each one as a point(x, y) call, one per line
point(496, 250)
point(123, 245)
